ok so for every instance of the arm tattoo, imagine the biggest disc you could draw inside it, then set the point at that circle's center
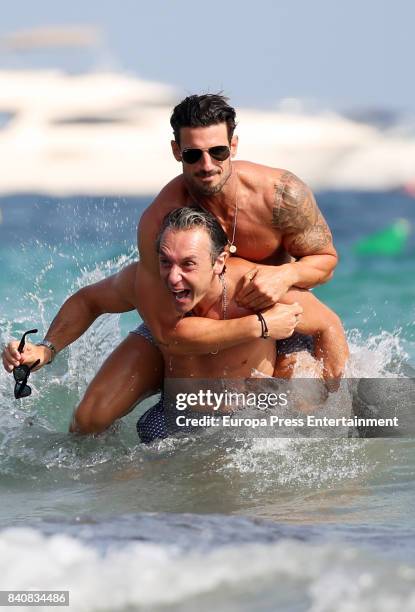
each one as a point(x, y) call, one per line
point(296, 214)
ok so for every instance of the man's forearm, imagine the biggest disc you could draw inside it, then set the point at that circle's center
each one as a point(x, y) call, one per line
point(198, 335)
point(72, 320)
point(309, 271)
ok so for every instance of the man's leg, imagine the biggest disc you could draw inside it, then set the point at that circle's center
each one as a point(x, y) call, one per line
point(133, 371)
point(298, 348)
point(328, 343)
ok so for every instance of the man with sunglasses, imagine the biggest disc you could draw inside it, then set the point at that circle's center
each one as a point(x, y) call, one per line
point(192, 253)
point(269, 215)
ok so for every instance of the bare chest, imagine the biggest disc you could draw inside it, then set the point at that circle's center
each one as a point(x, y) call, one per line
point(253, 236)
point(257, 242)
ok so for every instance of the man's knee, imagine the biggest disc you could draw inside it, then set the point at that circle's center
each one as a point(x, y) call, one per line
point(91, 416)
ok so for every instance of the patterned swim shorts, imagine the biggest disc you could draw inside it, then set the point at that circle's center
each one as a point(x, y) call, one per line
point(152, 424)
point(144, 330)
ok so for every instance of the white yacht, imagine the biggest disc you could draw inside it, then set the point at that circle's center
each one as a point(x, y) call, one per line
point(107, 133)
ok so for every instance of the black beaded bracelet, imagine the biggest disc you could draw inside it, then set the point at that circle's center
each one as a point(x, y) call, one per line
point(264, 327)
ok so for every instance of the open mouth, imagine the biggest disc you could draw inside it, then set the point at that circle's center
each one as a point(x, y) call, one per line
point(181, 295)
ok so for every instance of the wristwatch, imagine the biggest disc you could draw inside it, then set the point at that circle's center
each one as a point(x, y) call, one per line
point(50, 346)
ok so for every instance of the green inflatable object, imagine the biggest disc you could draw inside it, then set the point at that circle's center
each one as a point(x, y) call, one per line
point(389, 241)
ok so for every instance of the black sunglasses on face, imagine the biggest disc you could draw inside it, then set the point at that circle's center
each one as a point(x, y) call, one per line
point(220, 153)
point(21, 373)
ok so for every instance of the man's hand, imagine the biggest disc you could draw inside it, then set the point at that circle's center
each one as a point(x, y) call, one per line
point(263, 286)
point(31, 352)
point(282, 320)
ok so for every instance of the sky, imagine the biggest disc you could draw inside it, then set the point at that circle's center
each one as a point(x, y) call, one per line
point(332, 54)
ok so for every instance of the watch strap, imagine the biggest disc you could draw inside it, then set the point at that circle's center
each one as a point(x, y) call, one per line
point(50, 346)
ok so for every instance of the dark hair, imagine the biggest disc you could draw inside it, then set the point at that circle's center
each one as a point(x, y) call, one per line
point(202, 111)
point(188, 218)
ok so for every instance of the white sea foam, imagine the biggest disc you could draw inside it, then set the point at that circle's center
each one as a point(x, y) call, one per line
point(329, 577)
point(374, 356)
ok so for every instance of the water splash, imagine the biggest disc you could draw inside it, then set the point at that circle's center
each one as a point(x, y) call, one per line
point(31, 430)
point(287, 462)
point(34, 430)
point(378, 356)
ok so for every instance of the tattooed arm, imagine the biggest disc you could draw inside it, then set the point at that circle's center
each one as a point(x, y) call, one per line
point(305, 235)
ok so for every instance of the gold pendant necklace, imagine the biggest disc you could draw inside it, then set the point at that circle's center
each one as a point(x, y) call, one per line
point(232, 245)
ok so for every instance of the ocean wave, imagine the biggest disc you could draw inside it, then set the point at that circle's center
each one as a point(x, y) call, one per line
point(297, 575)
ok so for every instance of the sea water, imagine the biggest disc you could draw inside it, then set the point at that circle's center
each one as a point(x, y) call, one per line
point(218, 519)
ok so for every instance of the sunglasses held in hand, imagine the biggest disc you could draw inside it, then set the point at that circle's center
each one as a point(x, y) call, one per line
point(22, 372)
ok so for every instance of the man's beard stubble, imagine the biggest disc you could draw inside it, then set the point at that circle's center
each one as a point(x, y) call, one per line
point(206, 190)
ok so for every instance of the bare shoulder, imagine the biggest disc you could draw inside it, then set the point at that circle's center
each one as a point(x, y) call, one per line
point(148, 291)
point(277, 183)
point(123, 283)
point(236, 267)
point(173, 195)
point(254, 174)
point(264, 181)
point(289, 189)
